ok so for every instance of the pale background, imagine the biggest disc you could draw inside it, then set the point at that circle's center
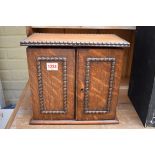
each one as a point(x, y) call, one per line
point(13, 63)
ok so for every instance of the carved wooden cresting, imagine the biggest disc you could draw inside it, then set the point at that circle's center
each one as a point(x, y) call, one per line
point(84, 87)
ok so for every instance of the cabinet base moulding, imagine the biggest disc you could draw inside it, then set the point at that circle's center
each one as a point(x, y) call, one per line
point(72, 122)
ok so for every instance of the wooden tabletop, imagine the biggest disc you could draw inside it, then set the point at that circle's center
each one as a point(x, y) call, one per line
point(48, 39)
point(22, 114)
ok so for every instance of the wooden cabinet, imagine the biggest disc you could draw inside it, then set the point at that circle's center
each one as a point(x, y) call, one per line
point(74, 79)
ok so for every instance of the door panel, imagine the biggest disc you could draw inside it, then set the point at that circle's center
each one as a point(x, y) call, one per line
point(98, 78)
point(52, 76)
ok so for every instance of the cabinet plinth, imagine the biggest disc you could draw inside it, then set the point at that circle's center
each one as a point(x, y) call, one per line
point(74, 79)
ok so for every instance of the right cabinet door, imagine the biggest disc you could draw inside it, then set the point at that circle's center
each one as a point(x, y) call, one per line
point(98, 78)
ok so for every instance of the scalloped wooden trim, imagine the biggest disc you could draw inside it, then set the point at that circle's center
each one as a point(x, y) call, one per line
point(74, 44)
point(112, 60)
point(40, 84)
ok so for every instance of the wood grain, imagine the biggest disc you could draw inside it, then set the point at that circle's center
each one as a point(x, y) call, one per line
point(128, 35)
point(52, 83)
point(47, 39)
point(99, 83)
point(47, 30)
point(85, 87)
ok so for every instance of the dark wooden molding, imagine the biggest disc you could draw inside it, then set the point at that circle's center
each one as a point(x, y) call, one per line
point(40, 85)
point(87, 82)
point(74, 44)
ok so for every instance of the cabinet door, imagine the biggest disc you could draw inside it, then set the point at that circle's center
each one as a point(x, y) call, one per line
point(98, 79)
point(51, 72)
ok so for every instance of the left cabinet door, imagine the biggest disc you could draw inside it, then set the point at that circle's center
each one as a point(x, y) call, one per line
point(51, 76)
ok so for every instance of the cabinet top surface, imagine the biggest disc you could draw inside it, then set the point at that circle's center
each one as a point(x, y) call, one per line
point(75, 40)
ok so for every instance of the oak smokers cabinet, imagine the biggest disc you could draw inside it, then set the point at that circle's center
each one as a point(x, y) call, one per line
point(74, 78)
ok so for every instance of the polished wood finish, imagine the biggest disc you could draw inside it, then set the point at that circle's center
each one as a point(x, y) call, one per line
point(50, 99)
point(85, 85)
point(93, 40)
point(98, 83)
point(128, 35)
